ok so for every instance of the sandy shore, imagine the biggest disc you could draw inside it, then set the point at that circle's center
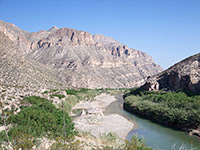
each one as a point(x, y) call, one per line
point(101, 101)
point(98, 124)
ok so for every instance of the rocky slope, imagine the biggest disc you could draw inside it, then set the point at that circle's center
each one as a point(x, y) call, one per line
point(183, 75)
point(17, 70)
point(80, 59)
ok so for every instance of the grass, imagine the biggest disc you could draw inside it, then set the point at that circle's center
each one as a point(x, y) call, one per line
point(110, 139)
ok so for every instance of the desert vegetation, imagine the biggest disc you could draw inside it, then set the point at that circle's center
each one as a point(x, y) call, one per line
point(176, 109)
point(39, 118)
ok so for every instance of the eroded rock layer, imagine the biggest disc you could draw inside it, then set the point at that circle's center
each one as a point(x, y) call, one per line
point(80, 59)
point(184, 75)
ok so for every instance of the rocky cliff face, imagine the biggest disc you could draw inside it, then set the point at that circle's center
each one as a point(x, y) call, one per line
point(183, 75)
point(84, 60)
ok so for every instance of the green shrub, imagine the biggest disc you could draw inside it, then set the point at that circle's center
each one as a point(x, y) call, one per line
point(109, 138)
point(174, 109)
point(72, 91)
point(40, 119)
point(34, 100)
point(135, 144)
point(66, 144)
point(23, 141)
point(60, 96)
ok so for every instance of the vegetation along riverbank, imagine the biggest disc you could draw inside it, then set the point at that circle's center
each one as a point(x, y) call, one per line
point(176, 109)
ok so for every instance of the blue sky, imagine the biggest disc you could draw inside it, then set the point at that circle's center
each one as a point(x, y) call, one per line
point(168, 30)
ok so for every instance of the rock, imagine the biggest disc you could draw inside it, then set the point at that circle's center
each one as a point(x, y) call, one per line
point(83, 113)
point(95, 111)
point(67, 57)
point(54, 28)
point(195, 132)
point(16, 70)
point(184, 75)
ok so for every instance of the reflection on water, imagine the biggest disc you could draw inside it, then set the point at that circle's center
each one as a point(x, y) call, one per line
point(155, 135)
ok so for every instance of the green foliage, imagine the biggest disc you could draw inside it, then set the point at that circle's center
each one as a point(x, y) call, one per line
point(75, 92)
point(81, 91)
point(34, 100)
point(135, 144)
point(70, 101)
point(3, 136)
point(66, 144)
point(109, 138)
point(40, 119)
point(23, 141)
point(60, 96)
point(135, 91)
point(19, 140)
point(45, 92)
point(174, 109)
point(1, 120)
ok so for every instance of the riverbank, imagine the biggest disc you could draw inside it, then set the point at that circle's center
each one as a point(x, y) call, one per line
point(96, 123)
point(155, 135)
point(172, 109)
point(100, 101)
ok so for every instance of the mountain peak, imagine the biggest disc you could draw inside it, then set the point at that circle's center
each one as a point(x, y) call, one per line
point(80, 59)
point(53, 28)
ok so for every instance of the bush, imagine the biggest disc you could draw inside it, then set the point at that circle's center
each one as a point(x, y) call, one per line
point(23, 141)
point(60, 96)
point(40, 119)
point(174, 109)
point(135, 144)
point(66, 144)
point(109, 138)
point(34, 100)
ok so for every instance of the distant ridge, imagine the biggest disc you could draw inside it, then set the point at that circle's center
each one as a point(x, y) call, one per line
point(79, 59)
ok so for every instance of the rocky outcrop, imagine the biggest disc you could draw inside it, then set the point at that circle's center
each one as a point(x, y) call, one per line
point(80, 59)
point(18, 36)
point(195, 133)
point(184, 75)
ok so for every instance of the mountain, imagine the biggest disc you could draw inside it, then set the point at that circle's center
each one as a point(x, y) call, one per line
point(79, 59)
point(17, 70)
point(184, 75)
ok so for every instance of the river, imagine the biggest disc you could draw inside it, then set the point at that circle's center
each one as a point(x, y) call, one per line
point(156, 136)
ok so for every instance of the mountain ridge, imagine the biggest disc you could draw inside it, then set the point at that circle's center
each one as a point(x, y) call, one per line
point(92, 61)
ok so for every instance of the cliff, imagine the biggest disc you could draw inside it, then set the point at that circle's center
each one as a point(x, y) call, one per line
point(184, 75)
point(80, 59)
